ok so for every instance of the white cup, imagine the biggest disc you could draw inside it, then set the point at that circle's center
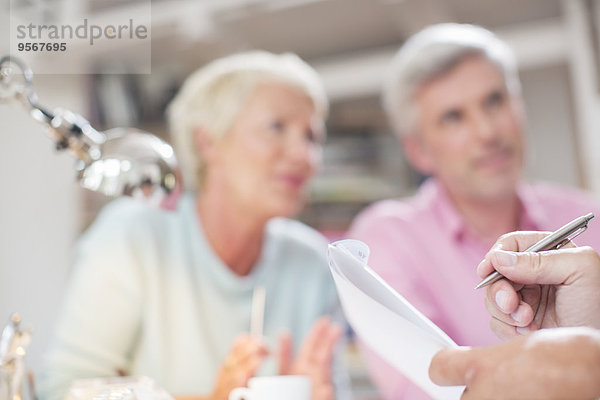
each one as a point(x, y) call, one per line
point(289, 387)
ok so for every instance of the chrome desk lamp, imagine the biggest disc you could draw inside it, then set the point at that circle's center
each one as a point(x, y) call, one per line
point(120, 161)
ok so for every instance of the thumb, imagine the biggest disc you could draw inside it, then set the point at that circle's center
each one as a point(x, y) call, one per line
point(285, 353)
point(547, 267)
point(449, 367)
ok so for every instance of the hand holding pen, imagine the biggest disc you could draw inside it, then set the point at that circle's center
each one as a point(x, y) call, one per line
point(542, 289)
point(553, 241)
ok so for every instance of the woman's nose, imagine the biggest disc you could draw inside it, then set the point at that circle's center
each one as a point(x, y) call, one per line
point(301, 149)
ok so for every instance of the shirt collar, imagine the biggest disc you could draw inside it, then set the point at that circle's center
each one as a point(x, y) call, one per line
point(435, 194)
point(532, 215)
point(207, 260)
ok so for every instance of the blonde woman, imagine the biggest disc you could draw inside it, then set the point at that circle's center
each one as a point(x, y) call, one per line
point(168, 295)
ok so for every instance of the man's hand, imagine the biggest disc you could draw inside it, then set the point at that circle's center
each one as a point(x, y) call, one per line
point(559, 363)
point(314, 357)
point(544, 290)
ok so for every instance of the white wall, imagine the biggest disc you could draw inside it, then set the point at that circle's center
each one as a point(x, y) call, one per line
point(550, 134)
point(585, 83)
point(38, 213)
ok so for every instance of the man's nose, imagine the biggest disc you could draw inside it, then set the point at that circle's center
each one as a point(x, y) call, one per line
point(483, 127)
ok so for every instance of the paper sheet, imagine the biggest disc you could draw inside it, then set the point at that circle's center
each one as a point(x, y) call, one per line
point(386, 321)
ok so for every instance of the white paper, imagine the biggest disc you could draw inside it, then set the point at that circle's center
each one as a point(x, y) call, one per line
point(386, 321)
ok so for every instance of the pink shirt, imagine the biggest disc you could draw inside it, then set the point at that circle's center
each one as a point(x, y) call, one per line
point(423, 249)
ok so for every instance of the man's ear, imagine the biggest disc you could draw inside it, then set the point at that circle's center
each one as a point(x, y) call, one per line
point(204, 144)
point(417, 153)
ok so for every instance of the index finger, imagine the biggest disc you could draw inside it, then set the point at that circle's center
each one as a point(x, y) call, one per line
point(514, 241)
point(324, 351)
point(314, 335)
point(518, 241)
point(449, 367)
point(245, 347)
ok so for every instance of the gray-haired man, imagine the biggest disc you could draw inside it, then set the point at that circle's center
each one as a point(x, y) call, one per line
point(454, 100)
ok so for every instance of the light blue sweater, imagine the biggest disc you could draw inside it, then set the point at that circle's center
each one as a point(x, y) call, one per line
point(150, 297)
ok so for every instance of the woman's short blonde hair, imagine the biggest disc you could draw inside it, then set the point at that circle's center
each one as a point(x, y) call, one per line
point(212, 97)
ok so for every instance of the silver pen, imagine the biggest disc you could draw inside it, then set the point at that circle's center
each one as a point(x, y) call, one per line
point(555, 240)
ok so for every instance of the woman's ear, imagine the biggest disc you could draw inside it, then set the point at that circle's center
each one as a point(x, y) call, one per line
point(417, 153)
point(204, 144)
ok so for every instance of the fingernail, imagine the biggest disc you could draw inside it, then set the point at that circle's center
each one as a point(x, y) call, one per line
point(518, 314)
point(502, 300)
point(479, 266)
point(523, 330)
point(506, 258)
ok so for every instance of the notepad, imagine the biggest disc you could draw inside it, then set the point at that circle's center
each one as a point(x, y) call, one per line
point(384, 320)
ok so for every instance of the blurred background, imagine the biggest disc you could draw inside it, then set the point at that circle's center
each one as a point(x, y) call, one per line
point(349, 42)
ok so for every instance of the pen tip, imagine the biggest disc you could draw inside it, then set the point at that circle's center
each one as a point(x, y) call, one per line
point(589, 216)
point(487, 281)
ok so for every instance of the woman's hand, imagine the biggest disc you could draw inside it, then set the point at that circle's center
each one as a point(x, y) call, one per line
point(244, 359)
point(548, 289)
point(314, 357)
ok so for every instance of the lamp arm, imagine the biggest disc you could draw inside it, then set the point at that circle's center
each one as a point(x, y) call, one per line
point(120, 161)
point(69, 130)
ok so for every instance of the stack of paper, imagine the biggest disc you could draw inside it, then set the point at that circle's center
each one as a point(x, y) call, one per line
point(386, 321)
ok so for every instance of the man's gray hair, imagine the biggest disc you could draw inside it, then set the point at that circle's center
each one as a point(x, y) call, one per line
point(433, 52)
